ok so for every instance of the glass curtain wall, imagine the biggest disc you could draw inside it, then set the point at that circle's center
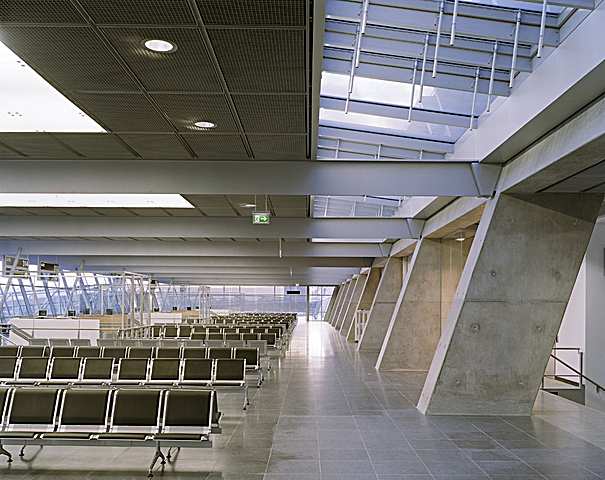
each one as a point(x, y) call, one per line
point(233, 298)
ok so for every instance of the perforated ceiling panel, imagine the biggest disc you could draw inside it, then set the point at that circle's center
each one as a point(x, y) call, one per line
point(71, 57)
point(240, 64)
point(139, 12)
point(278, 147)
point(39, 146)
point(261, 60)
point(95, 145)
point(188, 68)
point(212, 146)
point(39, 11)
point(272, 113)
point(253, 12)
point(157, 146)
point(185, 110)
point(123, 112)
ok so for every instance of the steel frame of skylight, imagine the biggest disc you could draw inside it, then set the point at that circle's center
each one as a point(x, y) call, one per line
point(390, 39)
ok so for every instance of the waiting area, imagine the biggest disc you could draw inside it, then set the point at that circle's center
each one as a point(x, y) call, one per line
point(325, 413)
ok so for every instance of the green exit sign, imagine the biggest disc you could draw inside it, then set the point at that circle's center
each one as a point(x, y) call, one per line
point(261, 218)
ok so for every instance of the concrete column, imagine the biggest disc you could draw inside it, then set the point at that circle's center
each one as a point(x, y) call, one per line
point(352, 308)
point(367, 297)
point(330, 308)
point(509, 304)
point(343, 297)
point(383, 306)
point(334, 312)
point(345, 303)
point(415, 325)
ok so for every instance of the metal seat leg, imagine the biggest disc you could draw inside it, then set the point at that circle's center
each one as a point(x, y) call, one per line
point(158, 454)
point(3, 451)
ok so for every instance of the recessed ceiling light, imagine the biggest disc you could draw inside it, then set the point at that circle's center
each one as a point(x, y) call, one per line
point(161, 46)
point(247, 205)
point(460, 237)
point(205, 125)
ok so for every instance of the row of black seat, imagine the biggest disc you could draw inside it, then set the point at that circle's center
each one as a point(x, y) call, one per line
point(106, 417)
point(176, 332)
point(137, 371)
point(250, 354)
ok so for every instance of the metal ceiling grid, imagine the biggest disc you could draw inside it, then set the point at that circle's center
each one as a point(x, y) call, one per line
point(439, 46)
point(278, 147)
point(92, 51)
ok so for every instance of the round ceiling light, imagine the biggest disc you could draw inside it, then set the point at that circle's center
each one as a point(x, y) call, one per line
point(160, 46)
point(205, 125)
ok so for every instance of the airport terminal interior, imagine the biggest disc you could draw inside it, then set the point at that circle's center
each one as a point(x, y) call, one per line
point(302, 239)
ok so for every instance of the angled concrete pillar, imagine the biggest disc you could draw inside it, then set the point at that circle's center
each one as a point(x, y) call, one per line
point(367, 297)
point(343, 297)
point(345, 303)
point(382, 306)
point(334, 312)
point(509, 304)
point(352, 307)
point(330, 308)
point(415, 325)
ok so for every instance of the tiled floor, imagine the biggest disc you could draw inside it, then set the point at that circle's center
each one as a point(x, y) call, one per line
point(324, 413)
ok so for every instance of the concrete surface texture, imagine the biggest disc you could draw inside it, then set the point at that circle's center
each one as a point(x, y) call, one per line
point(509, 304)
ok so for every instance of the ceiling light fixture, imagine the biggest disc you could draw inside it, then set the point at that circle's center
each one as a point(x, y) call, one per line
point(160, 46)
point(247, 205)
point(205, 125)
point(460, 237)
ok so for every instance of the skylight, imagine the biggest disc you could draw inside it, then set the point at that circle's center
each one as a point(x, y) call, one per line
point(30, 104)
point(91, 200)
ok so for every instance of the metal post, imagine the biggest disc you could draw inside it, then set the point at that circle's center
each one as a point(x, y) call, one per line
point(542, 28)
point(413, 91)
point(454, 19)
point(491, 77)
point(515, 50)
point(474, 98)
point(308, 304)
point(439, 24)
point(352, 74)
point(4, 295)
point(424, 54)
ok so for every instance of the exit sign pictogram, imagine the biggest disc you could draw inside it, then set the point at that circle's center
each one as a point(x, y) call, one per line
point(261, 218)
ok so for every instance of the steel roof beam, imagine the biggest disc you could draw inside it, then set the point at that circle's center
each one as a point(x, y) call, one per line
point(406, 43)
point(206, 227)
point(473, 20)
point(347, 178)
point(383, 67)
point(360, 134)
point(193, 248)
point(396, 111)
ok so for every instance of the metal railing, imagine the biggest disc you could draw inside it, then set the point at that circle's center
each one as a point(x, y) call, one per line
point(577, 373)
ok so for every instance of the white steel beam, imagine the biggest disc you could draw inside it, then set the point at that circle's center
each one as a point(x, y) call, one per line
point(191, 248)
point(347, 178)
point(206, 227)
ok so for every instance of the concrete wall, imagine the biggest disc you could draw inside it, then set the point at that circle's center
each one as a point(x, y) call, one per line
point(453, 258)
point(509, 304)
point(383, 306)
point(595, 317)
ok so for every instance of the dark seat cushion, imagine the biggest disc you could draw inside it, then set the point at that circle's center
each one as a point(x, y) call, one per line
point(17, 435)
point(122, 436)
point(68, 435)
point(179, 436)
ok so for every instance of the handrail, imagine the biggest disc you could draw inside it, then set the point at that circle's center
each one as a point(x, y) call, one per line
point(599, 387)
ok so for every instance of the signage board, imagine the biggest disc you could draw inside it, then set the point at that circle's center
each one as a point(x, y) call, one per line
point(261, 218)
point(48, 270)
point(21, 269)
